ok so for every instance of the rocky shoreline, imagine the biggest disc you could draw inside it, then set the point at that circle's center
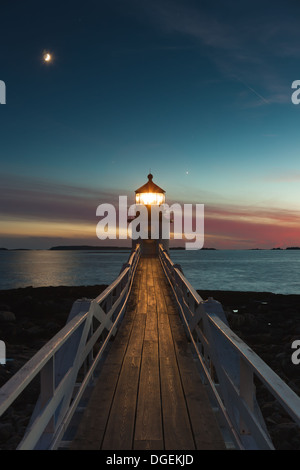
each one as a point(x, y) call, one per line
point(267, 322)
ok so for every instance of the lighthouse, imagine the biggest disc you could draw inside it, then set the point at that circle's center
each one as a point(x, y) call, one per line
point(153, 197)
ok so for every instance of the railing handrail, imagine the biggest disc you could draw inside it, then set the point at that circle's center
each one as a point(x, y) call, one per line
point(101, 297)
point(249, 361)
point(279, 389)
point(191, 289)
point(44, 359)
point(19, 381)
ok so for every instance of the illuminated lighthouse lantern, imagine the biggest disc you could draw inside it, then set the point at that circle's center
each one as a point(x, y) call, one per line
point(151, 195)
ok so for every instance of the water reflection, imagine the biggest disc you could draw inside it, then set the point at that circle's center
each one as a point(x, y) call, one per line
point(38, 268)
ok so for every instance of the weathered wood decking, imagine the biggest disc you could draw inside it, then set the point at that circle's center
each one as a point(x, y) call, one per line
point(149, 394)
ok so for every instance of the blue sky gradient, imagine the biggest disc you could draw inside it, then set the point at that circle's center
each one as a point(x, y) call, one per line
point(197, 91)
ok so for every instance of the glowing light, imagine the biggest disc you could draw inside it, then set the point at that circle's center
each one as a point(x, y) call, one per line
point(149, 199)
point(47, 57)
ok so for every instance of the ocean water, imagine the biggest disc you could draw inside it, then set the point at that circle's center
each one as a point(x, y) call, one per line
point(42, 268)
point(275, 271)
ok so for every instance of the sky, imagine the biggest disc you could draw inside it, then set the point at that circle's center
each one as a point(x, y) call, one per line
point(197, 92)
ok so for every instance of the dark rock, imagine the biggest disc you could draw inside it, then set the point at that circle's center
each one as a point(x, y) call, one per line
point(52, 327)
point(6, 430)
point(286, 431)
point(267, 409)
point(5, 307)
point(7, 316)
point(35, 331)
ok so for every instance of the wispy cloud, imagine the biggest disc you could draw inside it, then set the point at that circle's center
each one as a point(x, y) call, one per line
point(238, 227)
point(174, 16)
point(45, 200)
point(284, 177)
point(249, 42)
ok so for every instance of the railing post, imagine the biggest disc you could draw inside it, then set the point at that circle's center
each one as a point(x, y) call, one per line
point(109, 303)
point(47, 378)
point(246, 390)
point(90, 357)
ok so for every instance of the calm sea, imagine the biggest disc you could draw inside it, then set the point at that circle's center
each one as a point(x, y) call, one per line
point(238, 270)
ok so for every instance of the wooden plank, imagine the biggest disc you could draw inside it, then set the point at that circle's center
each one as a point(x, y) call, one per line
point(120, 342)
point(135, 344)
point(169, 300)
point(164, 295)
point(124, 330)
point(205, 428)
point(150, 280)
point(93, 423)
point(151, 299)
point(161, 305)
point(120, 427)
point(142, 301)
point(116, 354)
point(148, 445)
point(148, 427)
point(151, 329)
point(141, 307)
point(165, 340)
point(177, 428)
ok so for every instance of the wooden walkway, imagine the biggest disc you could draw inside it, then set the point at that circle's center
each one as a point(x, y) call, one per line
point(149, 394)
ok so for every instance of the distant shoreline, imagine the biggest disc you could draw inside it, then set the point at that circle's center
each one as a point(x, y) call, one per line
point(127, 248)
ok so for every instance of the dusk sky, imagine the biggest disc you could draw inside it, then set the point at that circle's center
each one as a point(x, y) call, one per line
point(197, 91)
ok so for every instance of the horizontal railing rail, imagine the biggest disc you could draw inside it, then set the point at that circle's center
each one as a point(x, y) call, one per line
point(76, 349)
point(228, 365)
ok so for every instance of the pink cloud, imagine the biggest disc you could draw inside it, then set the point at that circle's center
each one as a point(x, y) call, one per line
point(238, 227)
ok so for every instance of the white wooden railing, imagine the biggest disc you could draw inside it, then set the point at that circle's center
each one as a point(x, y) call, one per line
point(228, 366)
point(74, 352)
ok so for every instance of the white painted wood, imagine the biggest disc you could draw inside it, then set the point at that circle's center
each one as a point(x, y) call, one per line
point(47, 389)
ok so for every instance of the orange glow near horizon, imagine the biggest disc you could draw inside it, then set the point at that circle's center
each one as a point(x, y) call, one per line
point(25, 228)
point(226, 227)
